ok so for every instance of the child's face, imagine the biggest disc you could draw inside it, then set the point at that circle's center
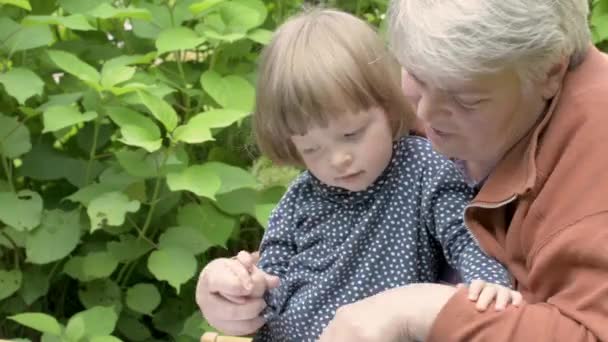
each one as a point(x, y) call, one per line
point(351, 152)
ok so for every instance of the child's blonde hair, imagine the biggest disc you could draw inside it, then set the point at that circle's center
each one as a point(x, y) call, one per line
point(321, 64)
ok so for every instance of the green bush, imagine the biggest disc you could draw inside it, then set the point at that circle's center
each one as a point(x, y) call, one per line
point(127, 161)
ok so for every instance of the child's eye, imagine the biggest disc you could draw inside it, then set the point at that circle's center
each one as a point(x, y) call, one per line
point(354, 134)
point(310, 150)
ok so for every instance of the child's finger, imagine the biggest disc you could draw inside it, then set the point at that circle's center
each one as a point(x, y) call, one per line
point(262, 282)
point(246, 259)
point(235, 299)
point(486, 296)
point(255, 257)
point(516, 298)
point(503, 296)
point(461, 285)
point(242, 274)
point(225, 282)
point(475, 288)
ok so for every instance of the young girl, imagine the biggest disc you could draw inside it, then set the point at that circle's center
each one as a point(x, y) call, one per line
point(376, 208)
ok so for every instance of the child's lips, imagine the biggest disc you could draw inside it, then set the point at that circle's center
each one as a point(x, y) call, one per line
point(350, 176)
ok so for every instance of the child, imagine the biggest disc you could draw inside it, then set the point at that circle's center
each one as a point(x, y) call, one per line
point(376, 209)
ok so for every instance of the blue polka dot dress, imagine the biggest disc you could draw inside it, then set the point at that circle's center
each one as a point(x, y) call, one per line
point(332, 247)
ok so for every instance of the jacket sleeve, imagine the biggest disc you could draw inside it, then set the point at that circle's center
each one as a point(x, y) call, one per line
point(445, 196)
point(577, 305)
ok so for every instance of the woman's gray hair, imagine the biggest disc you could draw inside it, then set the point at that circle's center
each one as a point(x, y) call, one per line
point(463, 38)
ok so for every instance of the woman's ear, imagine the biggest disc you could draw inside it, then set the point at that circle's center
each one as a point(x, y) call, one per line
point(554, 78)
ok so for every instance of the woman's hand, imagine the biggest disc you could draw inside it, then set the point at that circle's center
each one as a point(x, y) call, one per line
point(402, 314)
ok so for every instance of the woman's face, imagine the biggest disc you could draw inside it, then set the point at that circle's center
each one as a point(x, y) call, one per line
point(475, 120)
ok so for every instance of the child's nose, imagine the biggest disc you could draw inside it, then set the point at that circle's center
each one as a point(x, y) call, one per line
point(341, 160)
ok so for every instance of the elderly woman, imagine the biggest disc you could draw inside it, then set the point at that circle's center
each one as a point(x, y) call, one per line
point(514, 92)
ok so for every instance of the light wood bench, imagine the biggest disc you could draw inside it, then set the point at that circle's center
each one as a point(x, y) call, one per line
point(215, 337)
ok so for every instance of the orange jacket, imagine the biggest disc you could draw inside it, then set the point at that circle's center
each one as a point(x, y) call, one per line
point(543, 212)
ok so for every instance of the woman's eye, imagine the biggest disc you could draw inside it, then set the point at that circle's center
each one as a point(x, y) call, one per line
point(470, 104)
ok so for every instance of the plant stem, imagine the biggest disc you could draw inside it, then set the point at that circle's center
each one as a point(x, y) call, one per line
point(154, 201)
point(140, 231)
point(93, 150)
point(9, 173)
point(15, 248)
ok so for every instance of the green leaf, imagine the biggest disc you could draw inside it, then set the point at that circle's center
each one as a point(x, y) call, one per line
point(210, 179)
point(233, 92)
point(60, 117)
point(75, 22)
point(74, 66)
point(160, 109)
point(65, 99)
point(251, 202)
point(132, 329)
point(136, 129)
point(110, 209)
point(199, 179)
point(35, 165)
point(113, 74)
point(97, 321)
point(129, 248)
point(51, 338)
point(21, 211)
point(137, 163)
point(19, 3)
point(198, 129)
point(143, 298)
point(599, 21)
point(116, 177)
point(56, 238)
point(262, 213)
point(174, 265)
point(260, 35)
point(188, 238)
point(172, 314)
point(243, 15)
point(232, 177)
point(101, 292)
point(22, 84)
point(90, 192)
point(38, 321)
point(226, 37)
point(94, 265)
point(177, 38)
point(125, 60)
point(10, 282)
point(35, 284)
point(193, 326)
point(14, 137)
point(16, 37)
point(75, 330)
point(204, 6)
point(80, 6)
point(105, 339)
point(161, 19)
point(214, 225)
point(107, 11)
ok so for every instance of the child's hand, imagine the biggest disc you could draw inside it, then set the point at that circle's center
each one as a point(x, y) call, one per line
point(238, 278)
point(231, 279)
point(230, 296)
point(484, 293)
